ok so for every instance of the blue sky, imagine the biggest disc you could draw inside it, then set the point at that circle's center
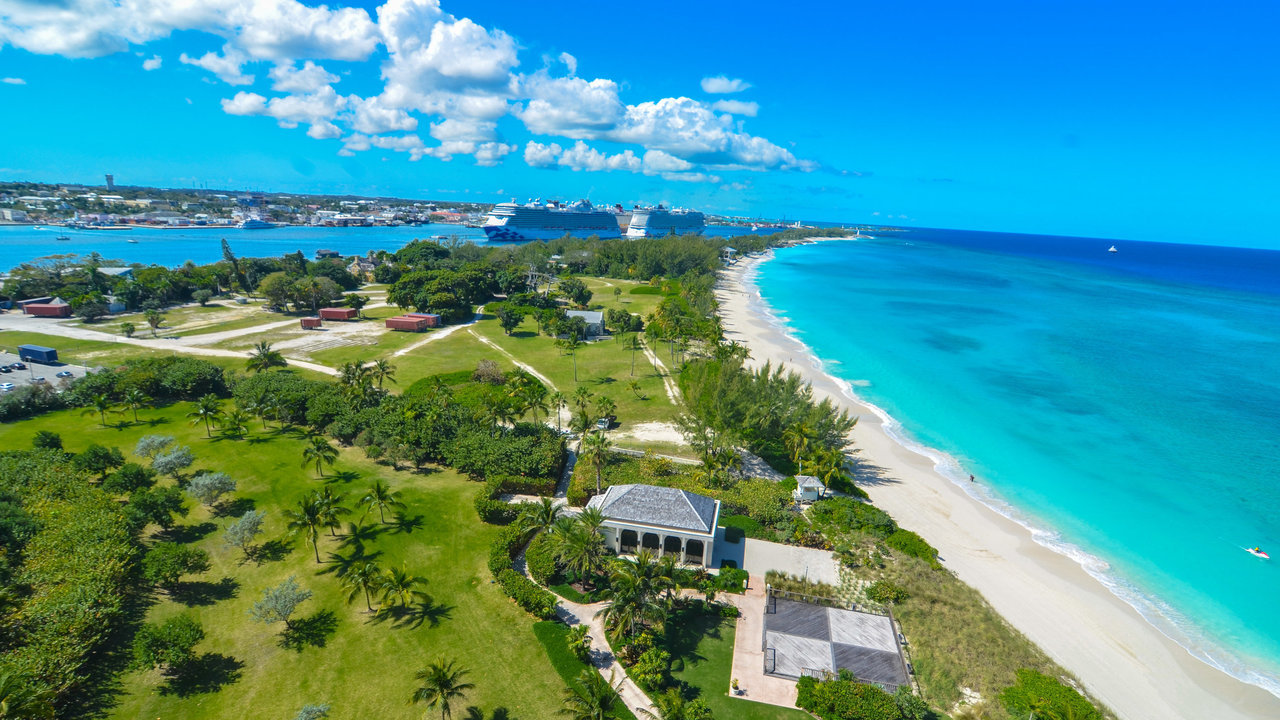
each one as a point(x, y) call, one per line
point(1147, 121)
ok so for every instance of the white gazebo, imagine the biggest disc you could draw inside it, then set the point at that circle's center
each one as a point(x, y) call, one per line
point(665, 521)
point(809, 489)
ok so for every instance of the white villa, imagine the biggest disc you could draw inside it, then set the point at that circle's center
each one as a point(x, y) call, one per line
point(665, 521)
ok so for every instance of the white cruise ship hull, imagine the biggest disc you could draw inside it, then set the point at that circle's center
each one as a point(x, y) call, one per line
point(635, 233)
point(502, 233)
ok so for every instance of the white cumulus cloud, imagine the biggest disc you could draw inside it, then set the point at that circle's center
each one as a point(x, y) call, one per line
point(306, 79)
point(152, 63)
point(736, 107)
point(227, 66)
point(14, 81)
point(722, 85)
point(537, 154)
point(584, 157)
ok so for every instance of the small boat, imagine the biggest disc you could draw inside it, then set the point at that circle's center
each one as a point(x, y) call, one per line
point(131, 240)
point(62, 238)
point(1257, 552)
point(1113, 249)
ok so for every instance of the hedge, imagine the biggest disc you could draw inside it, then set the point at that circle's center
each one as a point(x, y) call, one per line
point(540, 557)
point(844, 699)
point(520, 485)
point(504, 548)
point(527, 594)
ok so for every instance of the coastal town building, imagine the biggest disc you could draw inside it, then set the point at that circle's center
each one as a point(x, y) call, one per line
point(665, 521)
point(593, 318)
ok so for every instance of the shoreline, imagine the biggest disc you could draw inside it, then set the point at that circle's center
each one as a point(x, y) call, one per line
point(1124, 661)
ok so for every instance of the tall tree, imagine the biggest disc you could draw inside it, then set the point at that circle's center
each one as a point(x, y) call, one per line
point(279, 603)
point(319, 451)
point(595, 449)
point(135, 399)
point(263, 358)
point(306, 520)
point(101, 404)
point(382, 369)
point(381, 497)
point(331, 509)
point(364, 578)
point(441, 686)
point(398, 585)
point(242, 532)
point(542, 515)
point(208, 408)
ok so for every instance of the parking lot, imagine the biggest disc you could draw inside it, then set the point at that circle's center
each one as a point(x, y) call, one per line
point(28, 376)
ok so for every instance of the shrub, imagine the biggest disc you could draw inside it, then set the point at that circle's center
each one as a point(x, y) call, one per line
point(650, 670)
point(166, 562)
point(47, 440)
point(540, 557)
point(29, 400)
point(209, 487)
point(885, 592)
point(129, 477)
point(527, 594)
point(170, 644)
point(504, 548)
point(487, 371)
point(1046, 697)
point(790, 583)
point(848, 514)
point(731, 579)
point(844, 699)
point(529, 450)
point(519, 485)
point(912, 544)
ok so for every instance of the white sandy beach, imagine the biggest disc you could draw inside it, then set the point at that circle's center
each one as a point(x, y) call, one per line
point(1124, 661)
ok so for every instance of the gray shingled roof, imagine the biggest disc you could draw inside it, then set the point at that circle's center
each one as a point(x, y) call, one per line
point(653, 505)
point(592, 317)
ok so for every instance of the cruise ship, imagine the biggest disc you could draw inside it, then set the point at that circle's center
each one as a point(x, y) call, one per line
point(536, 220)
point(254, 224)
point(659, 221)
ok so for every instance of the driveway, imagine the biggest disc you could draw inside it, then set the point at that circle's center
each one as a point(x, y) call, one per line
point(758, 557)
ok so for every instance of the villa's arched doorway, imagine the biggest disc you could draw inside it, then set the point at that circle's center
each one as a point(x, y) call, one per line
point(628, 542)
point(693, 550)
point(650, 542)
point(671, 546)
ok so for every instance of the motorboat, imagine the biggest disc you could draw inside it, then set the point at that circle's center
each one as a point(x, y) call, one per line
point(1113, 249)
point(1257, 552)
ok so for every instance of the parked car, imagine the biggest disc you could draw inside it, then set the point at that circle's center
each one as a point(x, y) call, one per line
point(6, 387)
point(66, 373)
point(19, 366)
point(602, 424)
point(5, 369)
point(38, 380)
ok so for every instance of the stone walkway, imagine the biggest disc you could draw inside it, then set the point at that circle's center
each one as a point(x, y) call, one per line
point(748, 650)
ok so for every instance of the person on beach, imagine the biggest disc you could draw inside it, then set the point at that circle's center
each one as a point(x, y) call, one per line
point(970, 478)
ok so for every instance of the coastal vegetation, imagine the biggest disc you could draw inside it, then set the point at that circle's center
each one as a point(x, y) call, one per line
point(365, 516)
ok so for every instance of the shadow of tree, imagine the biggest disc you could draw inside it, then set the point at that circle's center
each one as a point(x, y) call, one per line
point(339, 564)
point(475, 713)
point(208, 673)
point(313, 630)
point(271, 551)
point(342, 476)
point(413, 616)
point(184, 534)
point(402, 523)
point(198, 592)
point(234, 508)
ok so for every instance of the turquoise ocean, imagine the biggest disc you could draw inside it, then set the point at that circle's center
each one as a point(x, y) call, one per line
point(1124, 406)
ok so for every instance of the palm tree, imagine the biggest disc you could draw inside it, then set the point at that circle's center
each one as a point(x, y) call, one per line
point(354, 379)
point(236, 422)
point(320, 452)
point(797, 438)
point(306, 520)
point(127, 329)
point(258, 408)
point(399, 586)
point(363, 578)
point(591, 519)
point(634, 588)
point(18, 700)
point(264, 358)
point(101, 404)
point(592, 697)
point(541, 517)
point(154, 318)
point(271, 408)
point(381, 496)
point(595, 449)
point(558, 403)
point(571, 345)
point(382, 369)
point(671, 705)
point(135, 399)
point(331, 509)
point(580, 548)
point(605, 407)
point(581, 399)
point(441, 685)
point(208, 408)
point(634, 387)
point(827, 464)
point(633, 344)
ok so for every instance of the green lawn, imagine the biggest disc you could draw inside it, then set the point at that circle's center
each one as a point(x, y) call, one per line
point(554, 637)
point(75, 351)
point(701, 648)
point(604, 367)
point(363, 668)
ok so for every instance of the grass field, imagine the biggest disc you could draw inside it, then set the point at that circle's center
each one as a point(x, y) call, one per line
point(362, 666)
point(74, 351)
point(701, 650)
